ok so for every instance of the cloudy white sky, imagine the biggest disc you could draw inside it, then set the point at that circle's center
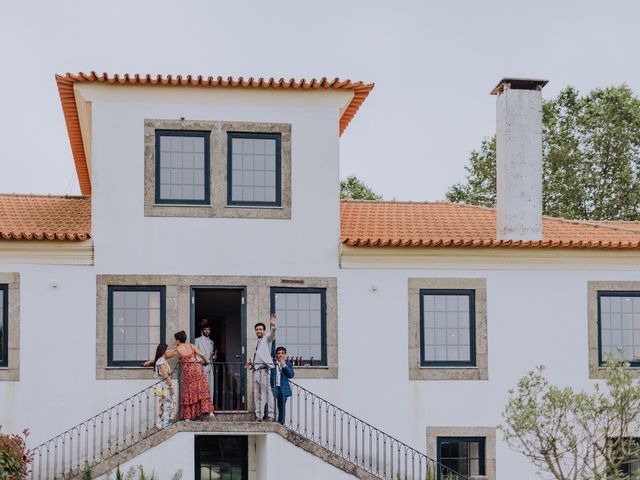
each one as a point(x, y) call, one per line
point(433, 63)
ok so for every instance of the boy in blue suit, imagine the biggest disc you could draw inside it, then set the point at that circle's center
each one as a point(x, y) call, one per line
point(280, 376)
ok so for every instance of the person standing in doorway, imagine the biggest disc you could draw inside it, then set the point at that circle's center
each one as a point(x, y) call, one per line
point(280, 376)
point(205, 344)
point(261, 364)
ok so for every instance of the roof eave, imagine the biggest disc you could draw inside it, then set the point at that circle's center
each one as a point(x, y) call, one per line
point(70, 110)
point(72, 119)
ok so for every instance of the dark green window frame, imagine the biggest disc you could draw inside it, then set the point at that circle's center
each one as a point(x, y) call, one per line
point(207, 168)
point(275, 136)
point(625, 467)
point(4, 361)
point(120, 288)
point(472, 329)
point(482, 453)
point(239, 448)
point(615, 293)
point(323, 321)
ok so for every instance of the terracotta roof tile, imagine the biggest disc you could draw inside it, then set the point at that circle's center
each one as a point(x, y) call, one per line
point(44, 217)
point(403, 224)
point(67, 97)
point(363, 224)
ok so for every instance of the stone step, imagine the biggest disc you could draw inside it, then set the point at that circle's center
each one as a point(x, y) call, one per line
point(229, 423)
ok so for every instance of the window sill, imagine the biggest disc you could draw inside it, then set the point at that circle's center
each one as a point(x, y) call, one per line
point(124, 367)
point(262, 207)
point(182, 205)
point(449, 367)
point(125, 373)
point(306, 372)
point(600, 373)
point(448, 373)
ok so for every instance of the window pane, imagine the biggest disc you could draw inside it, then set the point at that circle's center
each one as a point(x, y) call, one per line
point(221, 457)
point(299, 324)
point(620, 326)
point(463, 456)
point(182, 162)
point(118, 353)
point(135, 326)
point(253, 167)
point(445, 324)
point(631, 466)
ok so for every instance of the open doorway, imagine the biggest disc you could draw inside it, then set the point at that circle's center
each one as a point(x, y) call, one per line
point(224, 310)
point(224, 457)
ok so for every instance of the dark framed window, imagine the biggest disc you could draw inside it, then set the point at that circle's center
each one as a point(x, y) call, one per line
point(254, 169)
point(463, 455)
point(631, 465)
point(182, 167)
point(447, 327)
point(4, 325)
point(302, 322)
point(222, 457)
point(135, 324)
point(619, 326)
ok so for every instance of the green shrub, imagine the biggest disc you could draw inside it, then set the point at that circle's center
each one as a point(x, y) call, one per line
point(15, 458)
point(137, 473)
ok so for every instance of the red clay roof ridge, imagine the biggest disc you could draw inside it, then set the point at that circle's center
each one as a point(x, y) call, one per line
point(610, 225)
point(403, 202)
point(226, 81)
point(45, 195)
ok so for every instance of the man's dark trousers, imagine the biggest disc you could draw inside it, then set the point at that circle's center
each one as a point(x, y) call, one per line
point(281, 401)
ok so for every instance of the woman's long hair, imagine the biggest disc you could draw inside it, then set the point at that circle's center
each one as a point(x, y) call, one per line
point(160, 351)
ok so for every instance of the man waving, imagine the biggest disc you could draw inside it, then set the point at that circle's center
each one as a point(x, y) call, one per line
point(261, 365)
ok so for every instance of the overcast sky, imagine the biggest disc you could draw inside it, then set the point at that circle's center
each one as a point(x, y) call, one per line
point(433, 63)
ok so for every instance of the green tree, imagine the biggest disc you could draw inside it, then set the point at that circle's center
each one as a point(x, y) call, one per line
point(591, 158)
point(480, 188)
point(575, 435)
point(355, 189)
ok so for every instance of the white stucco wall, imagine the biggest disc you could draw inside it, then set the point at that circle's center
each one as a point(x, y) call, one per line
point(534, 317)
point(57, 387)
point(305, 244)
point(270, 456)
point(57, 346)
point(537, 311)
point(176, 453)
point(288, 462)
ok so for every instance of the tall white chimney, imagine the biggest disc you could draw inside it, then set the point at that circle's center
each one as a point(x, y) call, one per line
point(519, 158)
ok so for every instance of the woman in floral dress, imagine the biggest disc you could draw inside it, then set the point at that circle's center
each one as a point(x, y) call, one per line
point(164, 393)
point(195, 400)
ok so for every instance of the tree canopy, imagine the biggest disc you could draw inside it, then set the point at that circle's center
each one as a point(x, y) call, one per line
point(591, 158)
point(576, 435)
point(355, 189)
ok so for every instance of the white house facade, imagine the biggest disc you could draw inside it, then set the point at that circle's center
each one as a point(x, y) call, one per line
point(219, 198)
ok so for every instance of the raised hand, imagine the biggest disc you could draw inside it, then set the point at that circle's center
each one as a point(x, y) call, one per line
point(273, 320)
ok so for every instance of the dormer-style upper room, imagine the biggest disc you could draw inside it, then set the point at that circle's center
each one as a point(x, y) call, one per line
point(194, 162)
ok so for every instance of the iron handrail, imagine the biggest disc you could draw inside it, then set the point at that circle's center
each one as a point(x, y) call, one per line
point(100, 437)
point(134, 419)
point(359, 442)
